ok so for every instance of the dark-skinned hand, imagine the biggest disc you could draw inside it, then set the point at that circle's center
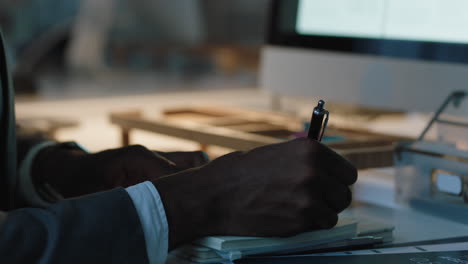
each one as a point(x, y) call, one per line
point(72, 172)
point(275, 190)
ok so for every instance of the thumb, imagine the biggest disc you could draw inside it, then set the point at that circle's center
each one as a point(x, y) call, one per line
point(186, 160)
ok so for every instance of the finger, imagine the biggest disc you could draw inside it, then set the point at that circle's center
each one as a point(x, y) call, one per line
point(142, 164)
point(161, 165)
point(336, 195)
point(320, 216)
point(162, 156)
point(336, 165)
point(186, 160)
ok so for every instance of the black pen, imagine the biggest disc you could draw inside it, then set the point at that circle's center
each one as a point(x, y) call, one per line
point(317, 124)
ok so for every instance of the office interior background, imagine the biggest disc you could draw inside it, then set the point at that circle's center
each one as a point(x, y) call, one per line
point(80, 60)
point(75, 63)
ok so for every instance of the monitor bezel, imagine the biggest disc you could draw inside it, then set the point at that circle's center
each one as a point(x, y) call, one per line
point(404, 49)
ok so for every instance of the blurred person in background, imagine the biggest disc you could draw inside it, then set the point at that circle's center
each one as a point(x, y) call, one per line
point(51, 39)
point(82, 31)
point(174, 22)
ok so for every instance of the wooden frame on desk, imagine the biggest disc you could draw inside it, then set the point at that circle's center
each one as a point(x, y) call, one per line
point(364, 150)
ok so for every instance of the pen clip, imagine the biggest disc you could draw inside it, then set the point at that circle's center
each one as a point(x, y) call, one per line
point(325, 123)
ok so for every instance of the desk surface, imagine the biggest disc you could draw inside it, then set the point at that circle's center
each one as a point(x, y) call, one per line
point(374, 199)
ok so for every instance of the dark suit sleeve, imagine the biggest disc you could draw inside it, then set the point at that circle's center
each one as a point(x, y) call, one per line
point(25, 140)
point(99, 228)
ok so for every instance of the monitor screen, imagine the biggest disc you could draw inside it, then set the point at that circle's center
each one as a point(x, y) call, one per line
point(418, 29)
point(419, 20)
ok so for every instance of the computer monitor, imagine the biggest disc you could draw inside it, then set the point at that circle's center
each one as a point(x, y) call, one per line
point(393, 54)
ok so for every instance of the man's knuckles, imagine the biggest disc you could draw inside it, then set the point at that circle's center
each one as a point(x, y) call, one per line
point(137, 150)
point(330, 221)
point(339, 200)
point(353, 176)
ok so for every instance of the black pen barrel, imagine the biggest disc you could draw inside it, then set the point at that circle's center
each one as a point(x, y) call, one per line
point(315, 126)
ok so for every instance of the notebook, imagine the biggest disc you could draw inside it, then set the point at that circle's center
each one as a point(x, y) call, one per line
point(346, 227)
point(346, 233)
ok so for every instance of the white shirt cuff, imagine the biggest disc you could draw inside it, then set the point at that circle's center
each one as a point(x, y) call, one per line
point(150, 210)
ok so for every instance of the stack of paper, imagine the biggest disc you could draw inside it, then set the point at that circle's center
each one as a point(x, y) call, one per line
point(375, 229)
point(215, 249)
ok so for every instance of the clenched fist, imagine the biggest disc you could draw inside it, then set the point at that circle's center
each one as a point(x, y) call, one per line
point(275, 190)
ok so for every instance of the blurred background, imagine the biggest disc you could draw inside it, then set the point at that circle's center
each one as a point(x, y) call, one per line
point(163, 43)
point(76, 62)
point(73, 62)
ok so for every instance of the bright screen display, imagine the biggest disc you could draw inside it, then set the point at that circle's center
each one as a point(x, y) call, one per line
point(414, 20)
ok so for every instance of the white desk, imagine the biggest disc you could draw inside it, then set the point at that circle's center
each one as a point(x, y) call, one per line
point(374, 199)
